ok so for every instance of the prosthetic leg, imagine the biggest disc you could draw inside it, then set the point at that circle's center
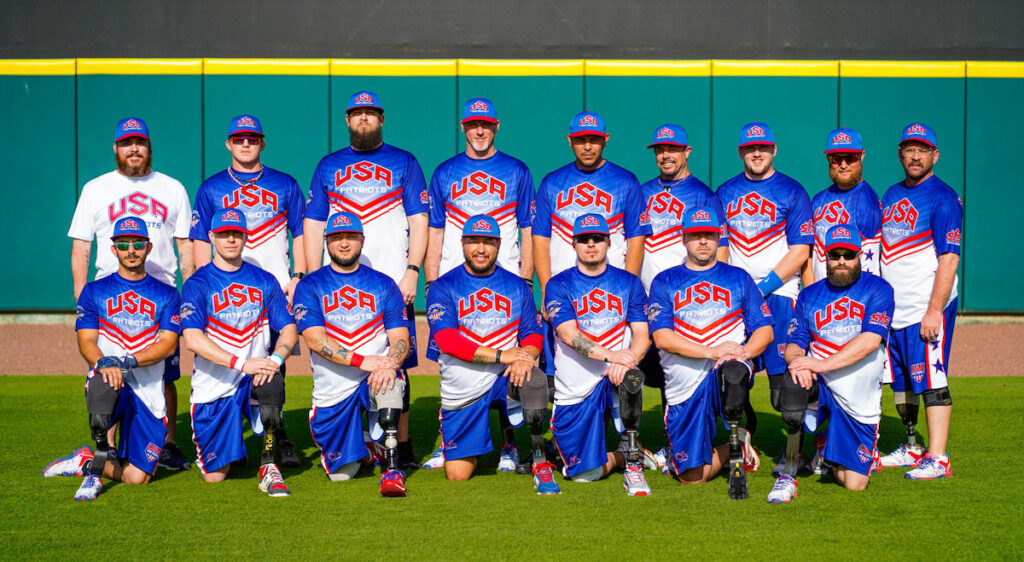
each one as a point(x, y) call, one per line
point(534, 398)
point(101, 400)
point(271, 398)
point(631, 400)
point(284, 447)
point(389, 411)
point(908, 406)
point(793, 402)
point(734, 380)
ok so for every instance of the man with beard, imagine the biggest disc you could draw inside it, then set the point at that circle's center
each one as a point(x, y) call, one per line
point(354, 322)
point(849, 200)
point(384, 187)
point(484, 321)
point(134, 189)
point(482, 180)
point(836, 357)
point(921, 238)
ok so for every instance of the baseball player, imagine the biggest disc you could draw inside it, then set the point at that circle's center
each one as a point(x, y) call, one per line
point(353, 319)
point(134, 189)
point(127, 326)
point(484, 321)
point(597, 311)
point(228, 309)
point(272, 203)
point(708, 320)
point(921, 237)
point(669, 195)
point(384, 187)
point(481, 180)
point(849, 200)
point(768, 220)
point(836, 356)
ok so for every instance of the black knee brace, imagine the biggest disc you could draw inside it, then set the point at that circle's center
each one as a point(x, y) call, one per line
point(101, 401)
point(937, 397)
point(388, 420)
point(734, 380)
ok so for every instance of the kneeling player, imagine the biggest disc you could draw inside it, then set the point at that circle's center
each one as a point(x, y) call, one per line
point(127, 326)
point(708, 320)
point(842, 321)
point(597, 311)
point(353, 319)
point(484, 321)
point(228, 309)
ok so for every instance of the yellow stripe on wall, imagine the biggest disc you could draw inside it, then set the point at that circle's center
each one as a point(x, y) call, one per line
point(647, 67)
point(304, 67)
point(140, 66)
point(978, 69)
point(901, 69)
point(513, 67)
point(37, 67)
point(393, 67)
point(775, 68)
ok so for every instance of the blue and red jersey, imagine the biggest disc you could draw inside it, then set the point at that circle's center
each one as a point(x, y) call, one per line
point(858, 207)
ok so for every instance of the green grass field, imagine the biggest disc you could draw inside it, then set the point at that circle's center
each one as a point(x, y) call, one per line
point(977, 513)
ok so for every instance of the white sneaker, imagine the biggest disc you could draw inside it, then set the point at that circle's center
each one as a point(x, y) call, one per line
point(436, 460)
point(818, 464)
point(91, 488)
point(272, 482)
point(509, 459)
point(70, 465)
point(780, 468)
point(633, 480)
point(904, 455)
point(655, 460)
point(930, 468)
point(784, 490)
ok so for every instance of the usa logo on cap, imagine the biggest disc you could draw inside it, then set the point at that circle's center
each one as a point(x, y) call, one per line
point(916, 129)
point(341, 220)
point(589, 221)
point(701, 215)
point(364, 97)
point(130, 223)
point(132, 125)
point(479, 106)
point(481, 226)
point(841, 232)
point(588, 120)
point(665, 133)
point(755, 131)
point(842, 138)
point(232, 215)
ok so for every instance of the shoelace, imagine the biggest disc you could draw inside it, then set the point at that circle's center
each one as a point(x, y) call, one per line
point(781, 483)
point(393, 475)
point(544, 473)
point(634, 475)
point(274, 473)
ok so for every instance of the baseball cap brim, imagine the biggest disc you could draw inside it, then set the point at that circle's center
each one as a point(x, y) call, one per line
point(588, 133)
point(752, 143)
point(131, 134)
point(481, 234)
point(673, 143)
point(844, 151)
point(245, 132)
point(478, 118)
point(917, 139)
point(228, 228)
point(355, 107)
point(130, 235)
point(702, 228)
point(844, 245)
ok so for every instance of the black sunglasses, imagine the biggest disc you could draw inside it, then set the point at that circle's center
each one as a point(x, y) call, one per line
point(588, 238)
point(836, 255)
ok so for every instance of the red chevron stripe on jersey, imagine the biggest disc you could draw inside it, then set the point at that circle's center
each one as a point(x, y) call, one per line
point(266, 231)
point(131, 344)
point(713, 332)
point(906, 247)
point(502, 338)
point(371, 210)
point(758, 242)
point(664, 239)
point(610, 338)
point(236, 337)
point(822, 348)
point(359, 336)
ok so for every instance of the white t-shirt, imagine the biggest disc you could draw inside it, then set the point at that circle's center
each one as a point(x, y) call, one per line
point(157, 199)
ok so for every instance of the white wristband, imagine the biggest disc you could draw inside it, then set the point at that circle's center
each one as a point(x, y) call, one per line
point(277, 359)
point(237, 362)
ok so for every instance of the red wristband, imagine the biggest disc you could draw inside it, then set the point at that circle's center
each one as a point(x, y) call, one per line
point(237, 362)
point(356, 360)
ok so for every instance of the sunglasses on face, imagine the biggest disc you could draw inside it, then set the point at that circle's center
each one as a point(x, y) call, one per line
point(588, 238)
point(131, 141)
point(837, 159)
point(138, 245)
point(241, 140)
point(836, 255)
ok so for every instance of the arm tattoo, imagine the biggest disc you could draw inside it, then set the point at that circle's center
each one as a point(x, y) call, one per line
point(399, 350)
point(328, 349)
point(480, 356)
point(582, 344)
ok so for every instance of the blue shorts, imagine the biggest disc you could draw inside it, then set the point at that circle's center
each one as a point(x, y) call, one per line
point(172, 366)
point(466, 432)
point(849, 443)
point(782, 314)
point(916, 365)
point(140, 434)
point(338, 430)
point(217, 428)
point(547, 355)
point(691, 426)
point(579, 430)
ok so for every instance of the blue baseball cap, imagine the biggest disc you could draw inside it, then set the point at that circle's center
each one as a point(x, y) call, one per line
point(587, 123)
point(481, 225)
point(670, 133)
point(343, 221)
point(590, 223)
point(245, 124)
point(131, 127)
point(479, 109)
point(131, 226)
point(919, 132)
point(843, 140)
point(842, 236)
point(701, 219)
point(364, 98)
point(756, 133)
point(228, 219)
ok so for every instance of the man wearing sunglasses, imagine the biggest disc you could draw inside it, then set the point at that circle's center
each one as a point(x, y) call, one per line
point(272, 203)
point(134, 189)
point(127, 325)
point(228, 310)
point(921, 238)
point(597, 311)
point(836, 356)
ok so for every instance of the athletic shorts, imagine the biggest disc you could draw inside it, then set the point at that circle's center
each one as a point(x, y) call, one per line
point(916, 365)
point(217, 427)
point(691, 426)
point(140, 434)
point(172, 366)
point(782, 314)
point(338, 430)
point(466, 432)
point(547, 355)
point(849, 442)
point(579, 430)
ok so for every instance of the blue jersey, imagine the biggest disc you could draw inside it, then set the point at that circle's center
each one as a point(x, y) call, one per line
point(382, 187)
point(356, 309)
point(500, 186)
point(919, 224)
point(827, 318)
point(602, 307)
point(764, 218)
point(236, 310)
point(858, 207)
point(568, 192)
point(495, 310)
point(273, 205)
point(709, 307)
point(128, 315)
point(665, 207)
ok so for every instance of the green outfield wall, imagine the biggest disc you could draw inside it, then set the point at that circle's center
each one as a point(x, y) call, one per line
point(975, 108)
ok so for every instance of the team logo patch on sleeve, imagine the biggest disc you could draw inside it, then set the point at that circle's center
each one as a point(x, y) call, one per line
point(176, 319)
point(195, 217)
point(953, 237)
point(792, 326)
point(299, 311)
point(425, 197)
point(435, 312)
point(553, 307)
point(79, 312)
point(880, 319)
point(186, 310)
point(653, 311)
point(807, 227)
point(765, 310)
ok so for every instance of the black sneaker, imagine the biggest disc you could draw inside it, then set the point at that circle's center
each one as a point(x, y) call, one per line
point(288, 456)
point(172, 459)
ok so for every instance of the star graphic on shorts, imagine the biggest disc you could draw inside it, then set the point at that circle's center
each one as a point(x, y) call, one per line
point(938, 366)
point(935, 344)
point(868, 254)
